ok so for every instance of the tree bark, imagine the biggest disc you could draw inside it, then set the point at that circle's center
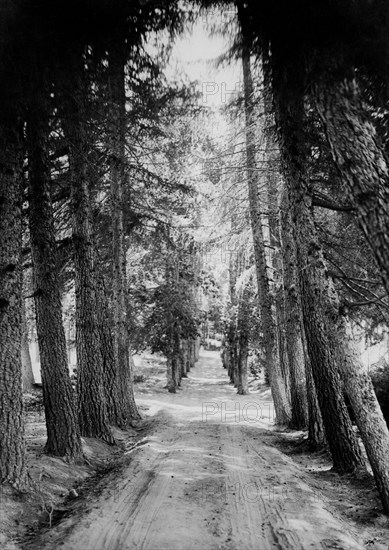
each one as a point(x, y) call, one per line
point(320, 315)
point(367, 411)
point(125, 406)
point(184, 358)
point(63, 438)
point(12, 444)
point(316, 431)
point(232, 336)
point(243, 330)
point(363, 168)
point(104, 319)
point(360, 160)
point(280, 324)
point(92, 407)
point(177, 368)
point(273, 181)
point(294, 343)
point(316, 290)
point(281, 404)
point(171, 382)
point(197, 347)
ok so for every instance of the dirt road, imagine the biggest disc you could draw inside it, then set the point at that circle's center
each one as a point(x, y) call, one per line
point(207, 478)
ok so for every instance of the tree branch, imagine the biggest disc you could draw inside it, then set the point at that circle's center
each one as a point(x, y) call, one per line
point(324, 202)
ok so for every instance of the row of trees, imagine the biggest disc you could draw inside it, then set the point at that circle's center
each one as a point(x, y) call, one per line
point(315, 139)
point(83, 125)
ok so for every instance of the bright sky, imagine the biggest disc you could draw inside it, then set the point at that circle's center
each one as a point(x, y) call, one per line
point(196, 54)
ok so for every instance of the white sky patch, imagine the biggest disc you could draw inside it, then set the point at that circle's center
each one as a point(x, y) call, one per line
point(196, 54)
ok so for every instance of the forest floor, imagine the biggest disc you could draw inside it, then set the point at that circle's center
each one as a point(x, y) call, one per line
point(211, 471)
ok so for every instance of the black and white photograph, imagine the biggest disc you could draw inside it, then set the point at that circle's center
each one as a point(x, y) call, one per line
point(194, 275)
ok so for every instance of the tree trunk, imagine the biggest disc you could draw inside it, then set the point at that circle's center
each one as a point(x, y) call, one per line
point(197, 349)
point(316, 291)
point(92, 408)
point(316, 432)
point(184, 358)
point(63, 438)
point(104, 320)
point(294, 343)
point(280, 325)
point(362, 165)
point(190, 362)
point(177, 367)
point(232, 336)
point(319, 316)
point(243, 388)
point(125, 392)
point(367, 411)
point(281, 404)
point(224, 354)
point(171, 381)
point(190, 355)
point(359, 388)
point(12, 445)
point(243, 328)
point(360, 160)
point(273, 181)
point(27, 372)
point(194, 353)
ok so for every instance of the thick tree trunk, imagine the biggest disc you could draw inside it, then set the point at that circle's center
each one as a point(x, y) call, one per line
point(367, 411)
point(316, 432)
point(360, 160)
point(280, 325)
point(316, 290)
point(304, 400)
point(104, 320)
point(358, 385)
point(124, 390)
point(12, 445)
point(294, 343)
point(63, 438)
point(170, 374)
point(92, 408)
point(320, 315)
point(362, 166)
point(281, 404)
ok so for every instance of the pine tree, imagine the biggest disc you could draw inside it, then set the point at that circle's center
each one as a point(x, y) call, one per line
point(277, 384)
point(12, 445)
point(92, 407)
point(63, 438)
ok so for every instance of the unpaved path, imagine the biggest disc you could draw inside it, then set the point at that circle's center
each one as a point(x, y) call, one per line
point(206, 478)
